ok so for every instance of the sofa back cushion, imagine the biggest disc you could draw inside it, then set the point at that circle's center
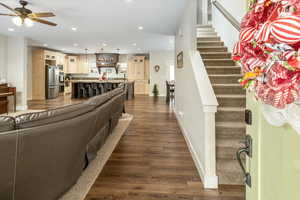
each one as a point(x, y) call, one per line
point(98, 100)
point(52, 157)
point(52, 116)
point(7, 123)
point(8, 153)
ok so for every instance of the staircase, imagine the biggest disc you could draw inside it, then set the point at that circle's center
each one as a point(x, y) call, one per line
point(230, 127)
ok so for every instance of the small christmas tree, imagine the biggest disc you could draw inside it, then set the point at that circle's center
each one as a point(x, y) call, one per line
point(155, 91)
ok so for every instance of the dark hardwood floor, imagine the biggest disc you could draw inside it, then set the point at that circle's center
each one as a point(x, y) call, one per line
point(152, 160)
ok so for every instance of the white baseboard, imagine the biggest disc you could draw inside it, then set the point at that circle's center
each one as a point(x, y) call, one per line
point(21, 108)
point(209, 182)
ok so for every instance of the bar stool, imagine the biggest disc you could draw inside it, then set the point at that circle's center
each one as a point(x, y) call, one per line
point(101, 88)
point(81, 91)
point(108, 87)
point(115, 85)
point(88, 89)
point(95, 89)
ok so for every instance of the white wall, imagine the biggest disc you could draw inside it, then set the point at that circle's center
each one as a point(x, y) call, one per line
point(17, 68)
point(224, 28)
point(3, 57)
point(164, 59)
point(196, 103)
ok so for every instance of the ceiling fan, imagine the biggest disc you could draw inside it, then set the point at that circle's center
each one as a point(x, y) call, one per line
point(22, 15)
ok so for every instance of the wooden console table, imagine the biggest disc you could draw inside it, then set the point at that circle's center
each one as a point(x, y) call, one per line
point(5, 92)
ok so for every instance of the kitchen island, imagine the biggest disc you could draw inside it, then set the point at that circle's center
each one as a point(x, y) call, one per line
point(90, 88)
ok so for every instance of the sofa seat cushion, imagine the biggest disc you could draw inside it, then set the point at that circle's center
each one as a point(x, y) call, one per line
point(7, 123)
point(51, 116)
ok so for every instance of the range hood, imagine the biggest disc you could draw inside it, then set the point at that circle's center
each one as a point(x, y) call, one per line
point(105, 60)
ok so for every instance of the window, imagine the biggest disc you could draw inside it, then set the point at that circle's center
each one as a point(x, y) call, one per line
point(172, 72)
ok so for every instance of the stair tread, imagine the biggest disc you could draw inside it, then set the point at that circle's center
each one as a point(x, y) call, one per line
point(231, 124)
point(210, 41)
point(231, 96)
point(215, 67)
point(228, 75)
point(234, 109)
point(212, 47)
point(226, 85)
point(212, 53)
point(217, 59)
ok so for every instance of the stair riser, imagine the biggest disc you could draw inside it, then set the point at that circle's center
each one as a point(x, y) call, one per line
point(232, 102)
point(205, 30)
point(230, 116)
point(226, 153)
point(224, 79)
point(206, 39)
point(229, 172)
point(213, 49)
point(230, 133)
point(216, 56)
point(204, 26)
point(223, 70)
point(206, 34)
point(229, 90)
point(218, 43)
point(218, 63)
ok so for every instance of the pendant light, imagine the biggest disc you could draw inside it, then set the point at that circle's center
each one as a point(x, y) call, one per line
point(86, 56)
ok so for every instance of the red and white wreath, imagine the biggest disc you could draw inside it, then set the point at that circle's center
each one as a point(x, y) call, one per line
point(268, 51)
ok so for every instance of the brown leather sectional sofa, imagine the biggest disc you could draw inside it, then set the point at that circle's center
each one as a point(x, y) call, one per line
point(43, 154)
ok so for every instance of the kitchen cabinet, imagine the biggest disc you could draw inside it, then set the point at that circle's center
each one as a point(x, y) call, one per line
point(138, 71)
point(82, 65)
point(72, 64)
point(60, 59)
point(77, 65)
point(50, 55)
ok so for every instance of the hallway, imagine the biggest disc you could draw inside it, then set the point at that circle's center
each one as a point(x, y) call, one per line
point(152, 161)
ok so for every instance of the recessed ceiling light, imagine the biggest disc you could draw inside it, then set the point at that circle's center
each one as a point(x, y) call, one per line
point(45, 45)
point(141, 28)
point(104, 44)
point(63, 49)
point(75, 45)
point(134, 44)
point(11, 29)
point(74, 29)
point(128, 1)
point(139, 49)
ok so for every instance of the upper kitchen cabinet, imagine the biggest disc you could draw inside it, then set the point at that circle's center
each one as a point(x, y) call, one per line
point(50, 55)
point(136, 68)
point(138, 71)
point(72, 64)
point(60, 58)
point(77, 64)
point(82, 64)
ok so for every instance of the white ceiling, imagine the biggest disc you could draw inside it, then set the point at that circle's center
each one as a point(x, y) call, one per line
point(113, 22)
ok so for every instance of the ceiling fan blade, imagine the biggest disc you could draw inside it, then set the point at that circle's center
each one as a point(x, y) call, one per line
point(43, 21)
point(1, 14)
point(43, 14)
point(9, 8)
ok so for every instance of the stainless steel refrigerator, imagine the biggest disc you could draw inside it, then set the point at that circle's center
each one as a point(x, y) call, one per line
point(52, 82)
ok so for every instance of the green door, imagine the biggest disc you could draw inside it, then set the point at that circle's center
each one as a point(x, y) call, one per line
point(275, 163)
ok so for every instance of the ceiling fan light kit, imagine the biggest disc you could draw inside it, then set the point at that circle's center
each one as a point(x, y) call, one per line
point(22, 15)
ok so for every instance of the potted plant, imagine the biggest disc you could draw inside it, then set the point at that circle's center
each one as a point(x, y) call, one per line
point(155, 91)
